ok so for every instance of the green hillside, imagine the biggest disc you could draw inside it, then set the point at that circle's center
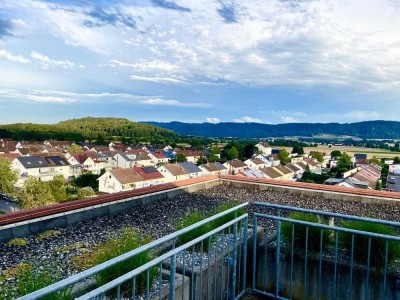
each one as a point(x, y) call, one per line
point(82, 129)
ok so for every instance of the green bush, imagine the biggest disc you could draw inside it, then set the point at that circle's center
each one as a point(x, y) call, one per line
point(18, 242)
point(378, 245)
point(130, 240)
point(314, 233)
point(31, 280)
point(195, 216)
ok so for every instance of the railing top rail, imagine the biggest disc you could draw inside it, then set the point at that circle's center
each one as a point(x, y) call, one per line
point(120, 280)
point(328, 227)
point(96, 269)
point(327, 214)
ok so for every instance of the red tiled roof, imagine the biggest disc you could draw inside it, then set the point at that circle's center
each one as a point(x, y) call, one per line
point(146, 175)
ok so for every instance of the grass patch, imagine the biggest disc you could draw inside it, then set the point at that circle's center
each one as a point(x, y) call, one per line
point(66, 249)
point(2, 212)
point(378, 245)
point(314, 233)
point(195, 216)
point(48, 234)
point(18, 242)
point(130, 240)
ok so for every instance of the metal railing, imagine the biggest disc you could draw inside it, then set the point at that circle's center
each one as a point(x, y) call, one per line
point(211, 266)
point(301, 258)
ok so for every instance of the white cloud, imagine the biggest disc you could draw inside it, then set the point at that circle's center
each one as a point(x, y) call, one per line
point(14, 58)
point(159, 101)
point(247, 119)
point(46, 62)
point(157, 79)
point(147, 66)
point(213, 120)
point(53, 96)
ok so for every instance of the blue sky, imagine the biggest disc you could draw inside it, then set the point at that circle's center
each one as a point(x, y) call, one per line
point(275, 61)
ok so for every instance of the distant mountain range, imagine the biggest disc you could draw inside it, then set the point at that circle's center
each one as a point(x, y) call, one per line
point(365, 130)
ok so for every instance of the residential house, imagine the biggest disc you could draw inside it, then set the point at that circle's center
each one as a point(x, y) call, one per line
point(394, 169)
point(314, 165)
point(9, 156)
point(191, 155)
point(215, 168)
point(252, 173)
point(287, 173)
point(255, 163)
point(297, 171)
point(119, 180)
point(272, 173)
point(99, 149)
point(87, 162)
point(133, 158)
point(193, 170)
point(265, 148)
point(173, 172)
point(150, 175)
point(158, 157)
point(235, 166)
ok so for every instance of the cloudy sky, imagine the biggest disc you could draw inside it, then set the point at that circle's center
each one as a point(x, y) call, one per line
point(274, 61)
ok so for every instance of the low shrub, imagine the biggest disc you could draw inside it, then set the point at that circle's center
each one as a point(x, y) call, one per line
point(40, 277)
point(129, 240)
point(378, 245)
point(314, 233)
point(18, 242)
point(195, 216)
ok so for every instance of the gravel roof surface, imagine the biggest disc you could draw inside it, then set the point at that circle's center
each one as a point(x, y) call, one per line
point(157, 220)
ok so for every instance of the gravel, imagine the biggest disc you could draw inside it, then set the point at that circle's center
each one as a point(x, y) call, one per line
point(158, 219)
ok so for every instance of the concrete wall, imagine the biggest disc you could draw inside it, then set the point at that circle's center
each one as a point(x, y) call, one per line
point(36, 226)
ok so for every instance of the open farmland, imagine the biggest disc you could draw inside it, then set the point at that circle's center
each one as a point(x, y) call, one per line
point(371, 152)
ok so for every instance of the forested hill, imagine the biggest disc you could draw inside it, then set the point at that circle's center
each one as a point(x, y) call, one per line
point(81, 129)
point(367, 129)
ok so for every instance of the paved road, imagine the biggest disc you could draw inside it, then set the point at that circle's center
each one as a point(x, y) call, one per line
point(393, 182)
point(8, 207)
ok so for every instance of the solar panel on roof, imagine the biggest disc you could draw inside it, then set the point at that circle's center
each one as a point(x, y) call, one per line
point(150, 170)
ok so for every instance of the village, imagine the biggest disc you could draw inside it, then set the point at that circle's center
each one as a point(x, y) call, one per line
point(122, 167)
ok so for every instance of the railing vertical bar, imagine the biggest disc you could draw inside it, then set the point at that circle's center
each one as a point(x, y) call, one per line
point(245, 250)
point(320, 264)
point(351, 267)
point(265, 268)
point(134, 288)
point(385, 268)
point(221, 289)
point(183, 272)
point(253, 281)
point(119, 292)
point(208, 267)
point(291, 262)
point(278, 250)
point(172, 271)
point(227, 262)
point(239, 275)
point(215, 267)
point(192, 275)
point(305, 265)
point(336, 261)
point(234, 251)
point(147, 284)
point(201, 269)
point(160, 282)
point(368, 268)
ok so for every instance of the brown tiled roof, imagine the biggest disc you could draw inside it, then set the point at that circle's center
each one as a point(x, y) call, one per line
point(264, 144)
point(236, 163)
point(302, 165)
point(257, 161)
point(271, 172)
point(10, 156)
point(125, 176)
point(159, 155)
point(311, 162)
point(210, 167)
point(292, 167)
point(283, 169)
point(175, 169)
